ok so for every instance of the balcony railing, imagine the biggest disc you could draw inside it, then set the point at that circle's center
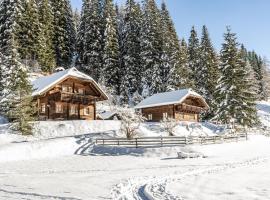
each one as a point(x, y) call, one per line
point(189, 108)
point(72, 97)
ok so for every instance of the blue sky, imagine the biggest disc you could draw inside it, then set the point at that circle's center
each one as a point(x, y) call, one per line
point(250, 19)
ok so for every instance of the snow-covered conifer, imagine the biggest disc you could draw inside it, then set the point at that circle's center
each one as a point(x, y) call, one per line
point(46, 53)
point(64, 32)
point(151, 47)
point(183, 71)
point(208, 71)
point(111, 65)
point(235, 100)
point(130, 50)
point(194, 57)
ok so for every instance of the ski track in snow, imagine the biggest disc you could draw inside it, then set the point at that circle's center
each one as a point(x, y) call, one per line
point(153, 188)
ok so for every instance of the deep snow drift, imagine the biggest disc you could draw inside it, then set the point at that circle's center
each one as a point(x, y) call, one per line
point(60, 162)
point(155, 174)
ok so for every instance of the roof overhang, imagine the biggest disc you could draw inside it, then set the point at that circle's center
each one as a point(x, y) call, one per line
point(206, 106)
point(65, 77)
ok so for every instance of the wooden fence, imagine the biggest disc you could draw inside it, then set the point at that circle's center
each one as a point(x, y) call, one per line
point(168, 141)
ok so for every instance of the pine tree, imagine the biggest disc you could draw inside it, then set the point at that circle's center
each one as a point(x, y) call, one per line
point(28, 35)
point(258, 67)
point(17, 92)
point(151, 48)
point(9, 28)
point(89, 46)
point(208, 71)
point(111, 64)
point(131, 48)
point(46, 54)
point(21, 106)
point(170, 51)
point(236, 103)
point(64, 32)
point(183, 71)
point(2, 78)
point(194, 58)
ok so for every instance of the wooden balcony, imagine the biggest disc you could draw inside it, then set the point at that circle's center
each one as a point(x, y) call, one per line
point(189, 108)
point(74, 98)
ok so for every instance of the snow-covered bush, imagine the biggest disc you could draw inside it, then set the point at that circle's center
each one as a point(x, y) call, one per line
point(130, 122)
point(169, 125)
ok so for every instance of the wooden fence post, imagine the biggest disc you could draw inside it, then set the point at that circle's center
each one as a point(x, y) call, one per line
point(161, 141)
point(136, 140)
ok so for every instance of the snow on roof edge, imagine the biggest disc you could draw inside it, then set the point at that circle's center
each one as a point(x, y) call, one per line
point(190, 92)
point(66, 73)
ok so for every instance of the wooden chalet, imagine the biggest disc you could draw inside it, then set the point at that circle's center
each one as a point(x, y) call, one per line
point(67, 95)
point(182, 105)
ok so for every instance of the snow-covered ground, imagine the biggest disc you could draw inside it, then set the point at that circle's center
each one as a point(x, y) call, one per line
point(264, 113)
point(229, 171)
point(61, 162)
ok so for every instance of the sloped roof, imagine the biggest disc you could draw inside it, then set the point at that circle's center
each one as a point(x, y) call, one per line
point(42, 84)
point(168, 98)
point(106, 114)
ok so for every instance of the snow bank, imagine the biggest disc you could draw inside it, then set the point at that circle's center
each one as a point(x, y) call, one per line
point(52, 129)
point(183, 129)
point(264, 112)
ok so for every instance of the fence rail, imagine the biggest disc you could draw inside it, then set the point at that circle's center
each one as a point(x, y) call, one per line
point(168, 141)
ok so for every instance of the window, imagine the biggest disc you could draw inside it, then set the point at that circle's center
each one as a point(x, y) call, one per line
point(58, 108)
point(165, 116)
point(150, 117)
point(81, 91)
point(43, 108)
point(87, 111)
point(64, 88)
point(70, 89)
point(73, 109)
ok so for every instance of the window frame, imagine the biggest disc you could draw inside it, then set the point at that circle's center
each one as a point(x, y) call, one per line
point(85, 111)
point(57, 106)
point(43, 108)
point(165, 116)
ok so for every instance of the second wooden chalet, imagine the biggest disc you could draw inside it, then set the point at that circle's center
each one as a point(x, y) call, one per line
point(182, 105)
point(67, 95)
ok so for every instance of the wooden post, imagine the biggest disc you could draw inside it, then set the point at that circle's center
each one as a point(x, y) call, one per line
point(95, 114)
point(136, 140)
point(161, 141)
point(38, 107)
point(67, 110)
point(79, 111)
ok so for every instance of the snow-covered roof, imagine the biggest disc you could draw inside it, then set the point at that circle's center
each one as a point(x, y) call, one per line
point(168, 98)
point(42, 84)
point(106, 114)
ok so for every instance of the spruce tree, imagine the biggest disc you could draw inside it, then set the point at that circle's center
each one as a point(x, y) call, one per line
point(64, 33)
point(183, 71)
point(28, 35)
point(111, 65)
point(89, 45)
point(236, 103)
point(208, 71)
point(151, 48)
point(130, 51)
point(46, 53)
point(258, 66)
point(16, 101)
point(170, 51)
point(194, 58)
